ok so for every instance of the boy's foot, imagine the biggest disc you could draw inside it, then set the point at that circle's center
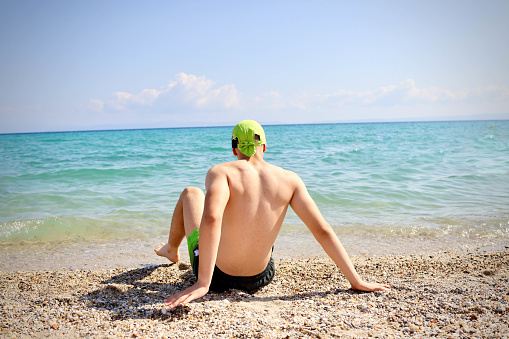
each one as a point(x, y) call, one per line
point(163, 251)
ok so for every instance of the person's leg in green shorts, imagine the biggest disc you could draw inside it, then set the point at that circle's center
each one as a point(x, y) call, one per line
point(186, 218)
point(192, 247)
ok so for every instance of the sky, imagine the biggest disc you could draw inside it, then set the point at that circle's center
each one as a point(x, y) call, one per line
point(91, 65)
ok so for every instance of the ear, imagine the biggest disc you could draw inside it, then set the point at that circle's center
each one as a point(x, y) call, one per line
point(234, 151)
point(264, 147)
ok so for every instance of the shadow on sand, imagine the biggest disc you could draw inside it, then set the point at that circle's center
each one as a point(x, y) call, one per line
point(140, 293)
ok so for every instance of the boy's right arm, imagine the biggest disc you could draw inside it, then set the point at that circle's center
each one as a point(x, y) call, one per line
point(216, 199)
point(305, 208)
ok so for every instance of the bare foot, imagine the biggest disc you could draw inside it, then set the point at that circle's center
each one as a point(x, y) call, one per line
point(163, 251)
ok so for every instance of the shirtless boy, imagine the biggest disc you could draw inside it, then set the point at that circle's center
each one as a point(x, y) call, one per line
point(239, 218)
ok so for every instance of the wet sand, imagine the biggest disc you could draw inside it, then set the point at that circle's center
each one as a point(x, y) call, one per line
point(448, 293)
point(139, 253)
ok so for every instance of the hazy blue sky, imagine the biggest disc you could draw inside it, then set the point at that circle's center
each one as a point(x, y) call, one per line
point(74, 65)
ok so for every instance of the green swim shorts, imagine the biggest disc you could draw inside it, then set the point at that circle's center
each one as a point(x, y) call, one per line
point(192, 245)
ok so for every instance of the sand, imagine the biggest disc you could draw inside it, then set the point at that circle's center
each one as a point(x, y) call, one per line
point(450, 294)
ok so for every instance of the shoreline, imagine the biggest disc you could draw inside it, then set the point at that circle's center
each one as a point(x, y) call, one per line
point(448, 293)
point(136, 253)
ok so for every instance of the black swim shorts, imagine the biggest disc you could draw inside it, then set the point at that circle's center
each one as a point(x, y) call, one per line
point(222, 282)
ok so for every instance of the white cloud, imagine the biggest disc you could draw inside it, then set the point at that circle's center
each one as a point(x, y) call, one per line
point(407, 93)
point(124, 100)
point(188, 92)
point(199, 92)
point(185, 89)
point(95, 105)
point(271, 100)
point(190, 99)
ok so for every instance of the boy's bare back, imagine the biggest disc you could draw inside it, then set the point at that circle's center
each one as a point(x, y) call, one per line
point(259, 197)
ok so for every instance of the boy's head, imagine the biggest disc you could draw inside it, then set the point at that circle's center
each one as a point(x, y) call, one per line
point(246, 135)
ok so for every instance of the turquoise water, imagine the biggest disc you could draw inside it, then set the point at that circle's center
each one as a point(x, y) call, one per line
point(390, 179)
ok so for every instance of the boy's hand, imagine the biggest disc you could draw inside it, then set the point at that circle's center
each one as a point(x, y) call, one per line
point(187, 295)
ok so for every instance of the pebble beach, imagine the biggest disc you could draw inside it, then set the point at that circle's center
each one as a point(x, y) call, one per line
point(446, 294)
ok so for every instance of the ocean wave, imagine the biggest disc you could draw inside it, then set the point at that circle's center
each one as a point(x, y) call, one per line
point(432, 228)
point(76, 229)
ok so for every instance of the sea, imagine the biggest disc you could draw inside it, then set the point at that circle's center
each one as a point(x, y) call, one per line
point(83, 198)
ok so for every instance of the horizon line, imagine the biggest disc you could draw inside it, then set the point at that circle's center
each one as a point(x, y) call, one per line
point(268, 124)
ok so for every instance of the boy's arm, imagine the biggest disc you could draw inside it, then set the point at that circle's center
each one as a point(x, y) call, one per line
point(306, 209)
point(216, 198)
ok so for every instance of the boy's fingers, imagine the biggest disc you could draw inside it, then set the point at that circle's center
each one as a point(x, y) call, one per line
point(185, 296)
point(172, 300)
point(178, 299)
point(174, 303)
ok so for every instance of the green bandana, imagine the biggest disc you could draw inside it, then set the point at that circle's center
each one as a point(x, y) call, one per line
point(245, 132)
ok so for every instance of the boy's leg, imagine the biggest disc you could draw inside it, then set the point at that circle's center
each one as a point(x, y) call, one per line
point(186, 218)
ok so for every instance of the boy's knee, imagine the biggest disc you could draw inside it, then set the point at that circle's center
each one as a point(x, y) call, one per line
point(191, 191)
